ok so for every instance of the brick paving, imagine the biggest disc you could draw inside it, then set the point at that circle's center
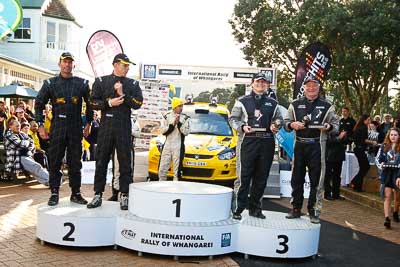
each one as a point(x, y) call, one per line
point(19, 246)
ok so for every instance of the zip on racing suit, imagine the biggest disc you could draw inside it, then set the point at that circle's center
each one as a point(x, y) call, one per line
point(115, 128)
point(309, 149)
point(256, 149)
point(174, 147)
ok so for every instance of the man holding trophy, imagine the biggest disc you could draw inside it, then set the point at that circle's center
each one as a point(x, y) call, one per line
point(311, 117)
point(252, 117)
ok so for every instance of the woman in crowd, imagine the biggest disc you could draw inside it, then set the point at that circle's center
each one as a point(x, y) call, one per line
point(388, 159)
point(373, 135)
point(360, 136)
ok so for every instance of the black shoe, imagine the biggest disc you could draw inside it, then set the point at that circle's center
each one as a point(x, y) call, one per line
point(314, 219)
point(257, 214)
point(396, 217)
point(96, 202)
point(124, 201)
point(294, 214)
point(387, 223)
point(236, 216)
point(339, 198)
point(77, 198)
point(53, 200)
point(329, 198)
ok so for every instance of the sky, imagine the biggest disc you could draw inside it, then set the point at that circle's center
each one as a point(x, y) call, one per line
point(181, 32)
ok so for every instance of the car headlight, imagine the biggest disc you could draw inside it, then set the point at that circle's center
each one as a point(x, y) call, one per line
point(227, 153)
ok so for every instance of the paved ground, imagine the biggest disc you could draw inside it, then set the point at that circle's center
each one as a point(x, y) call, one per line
point(19, 247)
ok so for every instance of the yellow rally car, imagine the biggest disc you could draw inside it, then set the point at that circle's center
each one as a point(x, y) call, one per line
point(210, 148)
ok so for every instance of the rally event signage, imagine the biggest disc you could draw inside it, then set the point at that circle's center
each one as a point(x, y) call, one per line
point(314, 61)
point(101, 50)
point(10, 16)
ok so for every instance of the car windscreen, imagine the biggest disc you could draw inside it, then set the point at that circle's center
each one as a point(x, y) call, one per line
point(209, 123)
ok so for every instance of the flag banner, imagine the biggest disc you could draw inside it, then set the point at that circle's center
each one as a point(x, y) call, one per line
point(101, 50)
point(314, 61)
point(10, 17)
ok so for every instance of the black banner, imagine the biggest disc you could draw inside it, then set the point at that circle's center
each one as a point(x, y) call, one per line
point(315, 61)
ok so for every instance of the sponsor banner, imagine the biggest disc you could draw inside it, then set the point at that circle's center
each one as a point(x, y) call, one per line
point(150, 115)
point(182, 240)
point(206, 74)
point(10, 16)
point(101, 50)
point(88, 170)
point(314, 61)
point(286, 188)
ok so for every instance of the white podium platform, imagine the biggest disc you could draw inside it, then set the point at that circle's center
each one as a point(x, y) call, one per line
point(180, 201)
point(277, 237)
point(177, 219)
point(71, 224)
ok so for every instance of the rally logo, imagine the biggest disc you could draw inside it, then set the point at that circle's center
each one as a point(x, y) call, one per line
point(128, 234)
point(226, 240)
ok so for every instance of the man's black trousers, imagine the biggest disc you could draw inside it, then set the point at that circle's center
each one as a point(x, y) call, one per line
point(305, 156)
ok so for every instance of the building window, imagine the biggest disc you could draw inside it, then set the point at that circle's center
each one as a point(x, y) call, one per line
point(24, 30)
point(51, 35)
point(62, 36)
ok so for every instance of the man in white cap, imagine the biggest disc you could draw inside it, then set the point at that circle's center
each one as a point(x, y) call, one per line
point(175, 127)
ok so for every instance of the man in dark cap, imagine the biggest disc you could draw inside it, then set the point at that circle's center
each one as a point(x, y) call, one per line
point(253, 117)
point(66, 94)
point(312, 117)
point(115, 95)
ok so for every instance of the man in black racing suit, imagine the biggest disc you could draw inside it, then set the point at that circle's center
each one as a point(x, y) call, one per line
point(311, 117)
point(252, 117)
point(115, 95)
point(65, 93)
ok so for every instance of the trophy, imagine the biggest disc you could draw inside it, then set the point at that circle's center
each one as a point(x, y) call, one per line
point(278, 124)
point(256, 122)
point(307, 123)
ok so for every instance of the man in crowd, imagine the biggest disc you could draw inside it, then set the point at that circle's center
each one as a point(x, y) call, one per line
point(253, 117)
point(115, 95)
point(175, 126)
point(66, 93)
point(3, 119)
point(311, 117)
point(19, 150)
point(346, 124)
point(385, 126)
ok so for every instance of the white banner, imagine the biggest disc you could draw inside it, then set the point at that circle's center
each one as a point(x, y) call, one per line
point(203, 73)
point(286, 188)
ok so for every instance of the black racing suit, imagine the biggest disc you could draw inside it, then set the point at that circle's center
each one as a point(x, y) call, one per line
point(256, 149)
point(115, 128)
point(66, 96)
point(309, 149)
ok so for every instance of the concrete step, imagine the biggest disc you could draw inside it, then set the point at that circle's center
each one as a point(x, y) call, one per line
point(367, 199)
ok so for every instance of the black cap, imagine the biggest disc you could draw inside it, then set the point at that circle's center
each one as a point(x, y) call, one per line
point(260, 76)
point(123, 59)
point(311, 79)
point(66, 55)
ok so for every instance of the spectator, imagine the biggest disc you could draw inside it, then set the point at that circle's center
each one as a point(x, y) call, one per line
point(373, 135)
point(20, 113)
point(27, 113)
point(3, 119)
point(388, 160)
point(378, 119)
point(40, 155)
point(19, 150)
point(360, 135)
point(335, 155)
point(386, 125)
point(346, 124)
point(92, 137)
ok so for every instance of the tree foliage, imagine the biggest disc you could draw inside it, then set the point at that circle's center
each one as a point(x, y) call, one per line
point(363, 36)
